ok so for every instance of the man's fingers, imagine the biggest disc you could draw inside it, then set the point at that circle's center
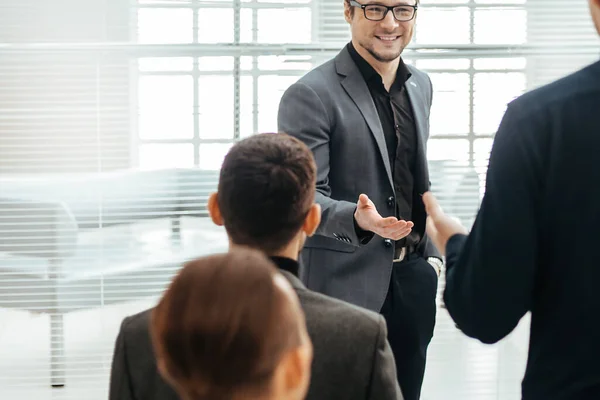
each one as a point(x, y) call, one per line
point(434, 235)
point(432, 207)
point(390, 224)
point(430, 226)
point(401, 234)
point(397, 230)
point(387, 223)
point(363, 200)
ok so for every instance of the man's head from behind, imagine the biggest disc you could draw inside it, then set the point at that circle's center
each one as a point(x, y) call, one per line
point(266, 194)
point(230, 327)
point(595, 9)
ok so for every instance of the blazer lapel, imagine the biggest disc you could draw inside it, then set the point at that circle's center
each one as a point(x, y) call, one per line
point(356, 87)
point(419, 107)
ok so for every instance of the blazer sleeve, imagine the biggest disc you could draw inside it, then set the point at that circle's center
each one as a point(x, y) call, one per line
point(384, 381)
point(491, 272)
point(120, 379)
point(303, 115)
point(426, 247)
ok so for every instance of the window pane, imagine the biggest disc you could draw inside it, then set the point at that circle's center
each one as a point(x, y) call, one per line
point(448, 149)
point(246, 63)
point(285, 1)
point(450, 108)
point(215, 103)
point(490, 26)
point(246, 109)
point(166, 107)
point(215, 63)
point(270, 90)
point(500, 63)
point(443, 26)
point(500, 1)
point(246, 32)
point(169, 2)
point(215, 25)
point(493, 92)
point(274, 63)
point(452, 63)
point(482, 148)
point(160, 64)
point(289, 25)
point(158, 156)
point(165, 25)
point(212, 155)
point(449, 1)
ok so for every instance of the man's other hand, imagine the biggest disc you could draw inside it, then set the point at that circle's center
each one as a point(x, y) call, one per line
point(440, 227)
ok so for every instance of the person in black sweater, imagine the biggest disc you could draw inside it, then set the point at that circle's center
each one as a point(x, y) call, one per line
point(532, 246)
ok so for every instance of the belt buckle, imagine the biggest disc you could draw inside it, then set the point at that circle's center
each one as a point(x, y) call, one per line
point(401, 256)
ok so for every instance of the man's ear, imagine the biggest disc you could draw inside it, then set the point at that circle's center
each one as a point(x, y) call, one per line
point(213, 209)
point(312, 221)
point(347, 12)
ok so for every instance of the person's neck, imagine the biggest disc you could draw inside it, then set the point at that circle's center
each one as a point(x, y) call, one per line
point(291, 251)
point(387, 70)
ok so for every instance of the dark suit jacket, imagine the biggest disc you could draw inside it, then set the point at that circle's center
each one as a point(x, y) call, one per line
point(331, 110)
point(352, 357)
point(533, 244)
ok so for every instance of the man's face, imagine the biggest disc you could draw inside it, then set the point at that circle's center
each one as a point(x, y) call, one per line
point(384, 39)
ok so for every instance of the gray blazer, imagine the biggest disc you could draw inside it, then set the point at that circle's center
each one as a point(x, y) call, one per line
point(352, 357)
point(331, 110)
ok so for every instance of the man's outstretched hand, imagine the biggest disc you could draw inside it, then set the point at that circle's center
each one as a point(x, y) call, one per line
point(440, 227)
point(369, 219)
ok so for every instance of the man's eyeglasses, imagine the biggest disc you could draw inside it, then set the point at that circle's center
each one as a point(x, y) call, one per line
point(377, 12)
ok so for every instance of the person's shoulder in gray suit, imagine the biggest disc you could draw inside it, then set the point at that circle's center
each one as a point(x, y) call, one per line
point(352, 357)
point(319, 89)
point(134, 374)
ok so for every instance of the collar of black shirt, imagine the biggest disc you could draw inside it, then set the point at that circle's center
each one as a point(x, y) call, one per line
point(286, 264)
point(369, 73)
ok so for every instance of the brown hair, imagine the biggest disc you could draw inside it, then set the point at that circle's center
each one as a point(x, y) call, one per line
point(223, 325)
point(266, 188)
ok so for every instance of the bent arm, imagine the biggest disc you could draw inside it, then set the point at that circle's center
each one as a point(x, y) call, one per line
point(303, 115)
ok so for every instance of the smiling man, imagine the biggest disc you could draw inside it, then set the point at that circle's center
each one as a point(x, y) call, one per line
point(365, 116)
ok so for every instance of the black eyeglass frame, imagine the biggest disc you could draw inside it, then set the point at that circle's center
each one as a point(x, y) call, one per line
point(364, 7)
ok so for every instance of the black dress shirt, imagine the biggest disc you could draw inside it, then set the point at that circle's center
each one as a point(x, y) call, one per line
point(398, 124)
point(286, 264)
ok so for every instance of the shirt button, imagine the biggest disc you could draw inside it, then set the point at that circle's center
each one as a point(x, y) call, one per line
point(387, 243)
point(391, 201)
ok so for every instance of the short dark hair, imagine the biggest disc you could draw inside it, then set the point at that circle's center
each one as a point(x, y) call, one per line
point(266, 188)
point(223, 325)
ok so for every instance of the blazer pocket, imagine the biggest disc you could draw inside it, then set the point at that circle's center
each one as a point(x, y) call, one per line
point(327, 243)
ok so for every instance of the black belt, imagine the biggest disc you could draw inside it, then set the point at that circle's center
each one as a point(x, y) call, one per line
point(401, 252)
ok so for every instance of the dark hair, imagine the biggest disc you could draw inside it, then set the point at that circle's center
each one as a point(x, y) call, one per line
point(223, 325)
point(266, 188)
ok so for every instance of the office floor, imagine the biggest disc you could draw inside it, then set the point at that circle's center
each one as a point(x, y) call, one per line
point(458, 367)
